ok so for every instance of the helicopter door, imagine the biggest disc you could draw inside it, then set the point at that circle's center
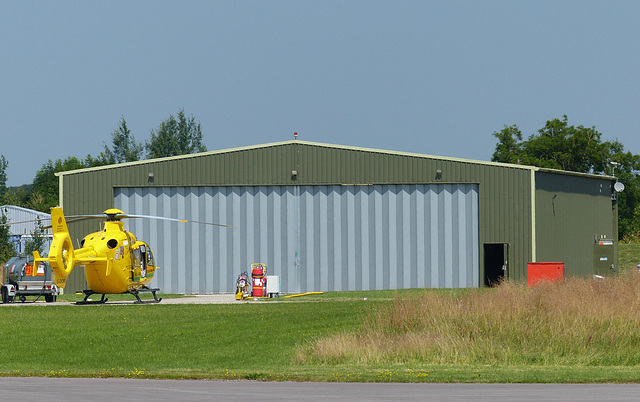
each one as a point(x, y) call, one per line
point(139, 271)
point(143, 261)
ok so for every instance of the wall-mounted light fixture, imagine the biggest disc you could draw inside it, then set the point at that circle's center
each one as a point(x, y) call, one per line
point(151, 177)
point(438, 174)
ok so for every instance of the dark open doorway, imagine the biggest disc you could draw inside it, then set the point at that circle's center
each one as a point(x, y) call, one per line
point(496, 263)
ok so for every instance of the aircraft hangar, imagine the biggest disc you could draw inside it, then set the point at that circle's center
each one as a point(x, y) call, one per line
point(333, 218)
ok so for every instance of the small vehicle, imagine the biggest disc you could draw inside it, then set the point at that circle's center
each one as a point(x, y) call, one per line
point(19, 280)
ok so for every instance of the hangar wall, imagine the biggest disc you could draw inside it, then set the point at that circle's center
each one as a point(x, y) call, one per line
point(573, 213)
point(505, 192)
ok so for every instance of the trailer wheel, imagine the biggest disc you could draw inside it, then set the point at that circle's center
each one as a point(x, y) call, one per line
point(50, 298)
point(23, 299)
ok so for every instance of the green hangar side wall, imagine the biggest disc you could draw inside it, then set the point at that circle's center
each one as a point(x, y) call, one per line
point(574, 214)
point(506, 193)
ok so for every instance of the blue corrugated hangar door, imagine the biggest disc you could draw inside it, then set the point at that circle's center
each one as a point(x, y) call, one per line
point(316, 238)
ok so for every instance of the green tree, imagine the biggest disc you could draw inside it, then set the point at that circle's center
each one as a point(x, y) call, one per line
point(44, 192)
point(46, 183)
point(175, 137)
point(627, 171)
point(508, 148)
point(3, 178)
point(6, 248)
point(18, 196)
point(37, 240)
point(37, 202)
point(124, 147)
point(556, 146)
point(559, 145)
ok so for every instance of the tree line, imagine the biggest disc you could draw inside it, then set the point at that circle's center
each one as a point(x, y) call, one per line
point(177, 135)
point(557, 145)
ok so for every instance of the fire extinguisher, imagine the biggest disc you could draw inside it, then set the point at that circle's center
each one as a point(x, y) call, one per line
point(242, 283)
point(258, 275)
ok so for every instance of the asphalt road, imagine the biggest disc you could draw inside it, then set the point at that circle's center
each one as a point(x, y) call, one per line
point(85, 389)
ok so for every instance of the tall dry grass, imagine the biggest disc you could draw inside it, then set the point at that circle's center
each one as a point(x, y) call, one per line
point(574, 322)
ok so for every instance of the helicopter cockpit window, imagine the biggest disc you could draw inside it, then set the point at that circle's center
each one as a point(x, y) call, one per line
point(150, 261)
point(140, 256)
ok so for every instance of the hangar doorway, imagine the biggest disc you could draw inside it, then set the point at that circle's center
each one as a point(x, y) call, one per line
point(316, 238)
point(496, 263)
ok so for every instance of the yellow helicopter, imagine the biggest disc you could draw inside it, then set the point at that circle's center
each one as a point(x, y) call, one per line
point(114, 260)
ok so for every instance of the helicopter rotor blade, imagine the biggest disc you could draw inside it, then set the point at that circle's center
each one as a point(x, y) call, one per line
point(115, 217)
point(83, 217)
point(73, 219)
point(29, 221)
point(68, 219)
point(76, 218)
point(176, 220)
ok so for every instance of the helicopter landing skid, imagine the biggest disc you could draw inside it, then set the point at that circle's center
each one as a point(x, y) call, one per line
point(88, 293)
point(145, 290)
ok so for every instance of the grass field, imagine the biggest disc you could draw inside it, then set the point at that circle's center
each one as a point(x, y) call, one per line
point(629, 256)
point(580, 331)
point(577, 331)
point(579, 322)
point(247, 340)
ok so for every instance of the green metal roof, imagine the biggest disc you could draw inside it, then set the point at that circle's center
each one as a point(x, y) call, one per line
point(332, 146)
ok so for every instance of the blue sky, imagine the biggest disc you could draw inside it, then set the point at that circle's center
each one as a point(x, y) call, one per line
point(433, 77)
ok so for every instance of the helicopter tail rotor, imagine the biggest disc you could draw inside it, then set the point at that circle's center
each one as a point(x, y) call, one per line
point(61, 254)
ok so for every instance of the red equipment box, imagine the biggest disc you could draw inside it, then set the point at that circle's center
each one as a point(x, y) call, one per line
point(544, 271)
